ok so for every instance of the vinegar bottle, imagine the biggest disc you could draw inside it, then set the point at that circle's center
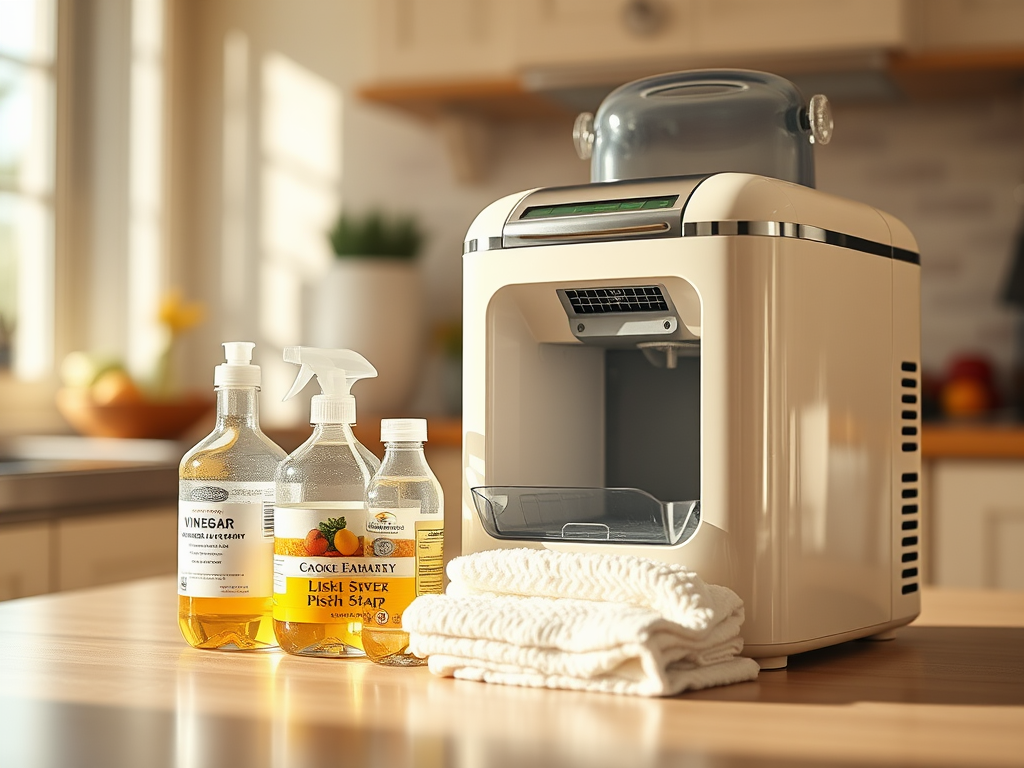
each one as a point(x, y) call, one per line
point(225, 519)
point(321, 591)
point(405, 531)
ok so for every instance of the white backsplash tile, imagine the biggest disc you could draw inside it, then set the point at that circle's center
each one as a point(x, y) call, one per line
point(949, 171)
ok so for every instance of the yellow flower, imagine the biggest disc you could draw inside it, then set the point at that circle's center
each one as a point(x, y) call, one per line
point(179, 315)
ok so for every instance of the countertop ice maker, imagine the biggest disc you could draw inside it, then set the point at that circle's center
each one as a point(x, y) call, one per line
point(715, 369)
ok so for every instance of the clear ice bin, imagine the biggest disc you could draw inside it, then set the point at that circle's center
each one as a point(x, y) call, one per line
point(610, 515)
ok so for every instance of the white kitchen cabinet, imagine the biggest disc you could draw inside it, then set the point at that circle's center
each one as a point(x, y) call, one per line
point(795, 27)
point(444, 40)
point(102, 549)
point(602, 32)
point(605, 32)
point(423, 40)
point(25, 560)
point(976, 510)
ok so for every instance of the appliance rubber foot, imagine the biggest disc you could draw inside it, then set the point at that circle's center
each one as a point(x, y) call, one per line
point(888, 634)
point(773, 662)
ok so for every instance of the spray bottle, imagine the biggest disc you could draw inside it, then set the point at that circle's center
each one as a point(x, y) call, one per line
point(320, 515)
point(225, 518)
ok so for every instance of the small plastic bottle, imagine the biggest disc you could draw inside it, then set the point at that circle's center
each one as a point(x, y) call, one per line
point(320, 599)
point(225, 518)
point(405, 533)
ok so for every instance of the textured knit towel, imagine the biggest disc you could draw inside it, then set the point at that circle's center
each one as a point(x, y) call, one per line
point(581, 621)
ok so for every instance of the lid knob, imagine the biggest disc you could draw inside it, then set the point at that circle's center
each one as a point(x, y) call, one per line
point(583, 135)
point(820, 118)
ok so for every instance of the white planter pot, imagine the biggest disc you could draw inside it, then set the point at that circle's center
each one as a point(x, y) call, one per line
point(375, 307)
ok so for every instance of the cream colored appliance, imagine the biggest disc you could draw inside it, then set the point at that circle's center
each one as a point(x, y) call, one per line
point(721, 371)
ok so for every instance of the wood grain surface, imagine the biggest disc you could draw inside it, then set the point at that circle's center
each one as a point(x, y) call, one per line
point(102, 677)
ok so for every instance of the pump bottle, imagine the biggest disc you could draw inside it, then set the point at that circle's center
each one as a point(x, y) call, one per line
point(405, 532)
point(320, 578)
point(225, 518)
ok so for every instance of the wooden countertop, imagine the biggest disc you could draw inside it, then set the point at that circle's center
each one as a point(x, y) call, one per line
point(102, 678)
point(968, 439)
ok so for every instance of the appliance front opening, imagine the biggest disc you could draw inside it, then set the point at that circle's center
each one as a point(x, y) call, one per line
point(591, 437)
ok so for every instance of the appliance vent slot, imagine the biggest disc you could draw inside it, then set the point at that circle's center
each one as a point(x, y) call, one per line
point(633, 298)
point(908, 396)
point(909, 488)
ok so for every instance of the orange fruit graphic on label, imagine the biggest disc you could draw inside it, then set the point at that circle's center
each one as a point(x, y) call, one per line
point(346, 542)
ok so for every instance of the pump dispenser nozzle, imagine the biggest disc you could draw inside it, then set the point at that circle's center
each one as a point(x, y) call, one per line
point(238, 371)
point(336, 371)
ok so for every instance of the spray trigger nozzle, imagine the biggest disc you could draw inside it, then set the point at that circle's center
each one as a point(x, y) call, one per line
point(336, 371)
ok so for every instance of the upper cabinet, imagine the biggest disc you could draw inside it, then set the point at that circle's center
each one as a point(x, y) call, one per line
point(532, 45)
point(602, 32)
point(467, 62)
point(457, 40)
point(424, 40)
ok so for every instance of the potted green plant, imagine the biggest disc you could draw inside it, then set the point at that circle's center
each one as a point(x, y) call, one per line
point(370, 300)
point(375, 235)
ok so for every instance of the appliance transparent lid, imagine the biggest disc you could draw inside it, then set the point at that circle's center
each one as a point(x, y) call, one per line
point(702, 122)
point(598, 515)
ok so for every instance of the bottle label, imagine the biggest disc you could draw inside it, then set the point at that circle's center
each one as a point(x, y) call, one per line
point(415, 545)
point(320, 573)
point(225, 540)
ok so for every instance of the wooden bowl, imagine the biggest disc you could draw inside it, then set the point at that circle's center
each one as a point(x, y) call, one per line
point(152, 419)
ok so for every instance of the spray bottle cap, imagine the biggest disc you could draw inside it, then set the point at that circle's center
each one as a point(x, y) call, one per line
point(336, 371)
point(238, 371)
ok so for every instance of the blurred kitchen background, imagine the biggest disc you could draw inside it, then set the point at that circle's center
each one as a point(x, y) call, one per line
point(202, 149)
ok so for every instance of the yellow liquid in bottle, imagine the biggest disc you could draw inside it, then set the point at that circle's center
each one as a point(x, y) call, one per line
point(324, 640)
point(227, 623)
point(235, 452)
point(389, 647)
point(318, 633)
point(418, 499)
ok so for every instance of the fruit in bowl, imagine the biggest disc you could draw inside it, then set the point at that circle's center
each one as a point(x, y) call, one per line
point(101, 399)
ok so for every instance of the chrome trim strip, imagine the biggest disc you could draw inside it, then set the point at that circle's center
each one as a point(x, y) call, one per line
point(799, 232)
point(472, 246)
point(640, 229)
point(711, 229)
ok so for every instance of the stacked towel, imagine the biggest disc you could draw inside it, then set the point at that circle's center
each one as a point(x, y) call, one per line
point(591, 622)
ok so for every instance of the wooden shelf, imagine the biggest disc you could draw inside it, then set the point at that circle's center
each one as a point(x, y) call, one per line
point(933, 75)
point(497, 99)
point(958, 74)
point(972, 441)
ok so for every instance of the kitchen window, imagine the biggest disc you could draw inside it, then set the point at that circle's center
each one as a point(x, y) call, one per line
point(28, 130)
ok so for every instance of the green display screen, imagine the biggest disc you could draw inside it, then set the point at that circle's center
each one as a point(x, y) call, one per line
point(602, 206)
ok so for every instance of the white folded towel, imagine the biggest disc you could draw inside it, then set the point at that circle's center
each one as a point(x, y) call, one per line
point(606, 623)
